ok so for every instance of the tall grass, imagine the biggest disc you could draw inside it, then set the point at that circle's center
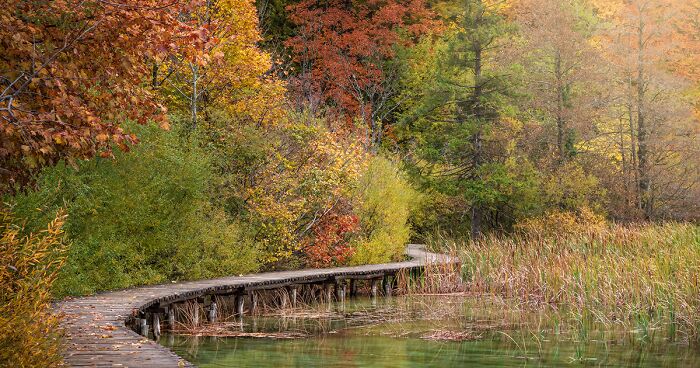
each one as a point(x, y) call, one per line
point(29, 264)
point(634, 276)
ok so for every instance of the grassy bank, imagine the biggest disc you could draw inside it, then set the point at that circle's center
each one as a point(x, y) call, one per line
point(633, 277)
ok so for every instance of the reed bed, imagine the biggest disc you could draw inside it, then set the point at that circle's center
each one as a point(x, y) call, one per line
point(432, 279)
point(642, 277)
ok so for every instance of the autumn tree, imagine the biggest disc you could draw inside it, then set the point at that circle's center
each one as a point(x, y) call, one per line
point(658, 130)
point(225, 72)
point(345, 52)
point(72, 71)
point(562, 67)
point(686, 55)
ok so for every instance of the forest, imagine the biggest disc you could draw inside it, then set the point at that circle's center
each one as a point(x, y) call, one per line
point(150, 141)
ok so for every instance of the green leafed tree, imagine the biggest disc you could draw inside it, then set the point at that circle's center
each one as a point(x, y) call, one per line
point(461, 120)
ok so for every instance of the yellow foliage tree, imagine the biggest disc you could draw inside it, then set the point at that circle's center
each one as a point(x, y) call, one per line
point(309, 173)
point(385, 201)
point(227, 72)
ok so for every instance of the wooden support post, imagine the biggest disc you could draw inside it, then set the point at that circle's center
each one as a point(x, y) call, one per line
point(374, 287)
point(387, 285)
point(293, 292)
point(171, 316)
point(212, 311)
point(156, 326)
point(253, 302)
point(143, 326)
point(329, 292)
point(240, 302)
point(353, 288)
point(341, 289)
point(231, 301)
point(136, 324)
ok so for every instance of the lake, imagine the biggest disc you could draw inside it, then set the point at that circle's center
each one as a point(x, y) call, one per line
point(423, 332)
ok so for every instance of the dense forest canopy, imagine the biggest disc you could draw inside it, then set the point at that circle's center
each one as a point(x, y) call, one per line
point(331, 132)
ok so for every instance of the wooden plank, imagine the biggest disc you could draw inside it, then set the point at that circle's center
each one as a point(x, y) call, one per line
point(360, 277)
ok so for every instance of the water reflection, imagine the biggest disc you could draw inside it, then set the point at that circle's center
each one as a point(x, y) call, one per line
point(381, 333)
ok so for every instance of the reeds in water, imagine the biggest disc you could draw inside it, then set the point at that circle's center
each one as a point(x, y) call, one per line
point(641, 277)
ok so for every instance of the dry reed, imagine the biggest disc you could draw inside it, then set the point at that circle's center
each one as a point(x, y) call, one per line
point(634, 276)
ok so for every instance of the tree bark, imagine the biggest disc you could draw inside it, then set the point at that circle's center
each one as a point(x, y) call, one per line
point(477, 210)
point(645, 199)
point(561, 124)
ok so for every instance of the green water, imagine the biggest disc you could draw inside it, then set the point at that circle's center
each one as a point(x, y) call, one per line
point(393, 334)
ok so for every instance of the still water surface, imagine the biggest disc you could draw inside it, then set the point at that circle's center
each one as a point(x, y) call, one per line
point(395, 333)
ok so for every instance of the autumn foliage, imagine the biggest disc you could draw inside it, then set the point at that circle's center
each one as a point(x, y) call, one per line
point(344, 49)
point(29, 266)
point(71, 72)
point(331, 242)
point(224, 72)
point(338, 130)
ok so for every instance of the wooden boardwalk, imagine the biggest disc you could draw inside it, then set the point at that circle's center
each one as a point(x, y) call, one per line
point(96, 332)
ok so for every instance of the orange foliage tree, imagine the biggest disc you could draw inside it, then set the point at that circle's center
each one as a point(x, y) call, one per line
point(330, 245)
point(686, 60)
point(72, 71)
point(346, 52)
point(643, 44)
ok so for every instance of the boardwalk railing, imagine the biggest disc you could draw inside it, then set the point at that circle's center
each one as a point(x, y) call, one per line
point(111, 329)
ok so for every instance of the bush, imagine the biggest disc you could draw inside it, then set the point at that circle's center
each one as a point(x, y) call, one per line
point(291, 182)
point(143, 217)
point(28, 268)
point(386, 201)
point(570, 187)
point(331, 243)
point(555, 223)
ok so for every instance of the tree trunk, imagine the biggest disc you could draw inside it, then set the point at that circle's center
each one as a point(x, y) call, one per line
point(194, 98)
point(561, 124)
point(625, 170)
point(633, 156)
point(154, 76)
point(477, 210)
point(645, 199)
point(376, 128)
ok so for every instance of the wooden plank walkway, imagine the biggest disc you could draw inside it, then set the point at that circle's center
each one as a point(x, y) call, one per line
point(96, 334)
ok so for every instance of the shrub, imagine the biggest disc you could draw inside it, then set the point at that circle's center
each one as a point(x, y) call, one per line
point(385, 203)
point(284, 179)
point(555, 223)
point(28, 267)
point(143, 217)
point(570, 187)
point(330, 244)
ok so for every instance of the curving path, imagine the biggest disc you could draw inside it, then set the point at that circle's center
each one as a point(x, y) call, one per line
point(96, 332)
